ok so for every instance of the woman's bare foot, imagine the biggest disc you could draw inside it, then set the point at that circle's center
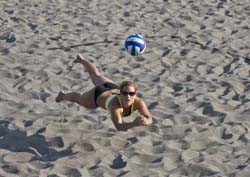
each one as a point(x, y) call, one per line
point(78, 59)
point(89, 67)
point(59, 97)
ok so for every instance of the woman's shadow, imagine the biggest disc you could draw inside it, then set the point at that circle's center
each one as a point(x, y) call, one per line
point(18, 141)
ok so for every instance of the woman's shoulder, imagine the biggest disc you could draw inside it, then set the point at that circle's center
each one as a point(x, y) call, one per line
point(138, 101)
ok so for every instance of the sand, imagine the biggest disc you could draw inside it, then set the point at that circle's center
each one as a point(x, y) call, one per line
point(194, 77)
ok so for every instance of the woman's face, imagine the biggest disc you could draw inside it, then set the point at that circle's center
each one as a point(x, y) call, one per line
point(128, 94)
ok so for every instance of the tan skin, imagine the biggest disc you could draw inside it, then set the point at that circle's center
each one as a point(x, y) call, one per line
point(87, 99)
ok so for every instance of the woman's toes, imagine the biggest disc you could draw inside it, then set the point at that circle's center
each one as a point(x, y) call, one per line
point(79, 56)
point(78, 59)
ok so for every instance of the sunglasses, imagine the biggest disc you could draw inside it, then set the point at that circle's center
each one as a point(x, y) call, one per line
point(124, 93)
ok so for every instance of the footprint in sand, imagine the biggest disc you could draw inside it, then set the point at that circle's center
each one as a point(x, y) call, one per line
point(88, 147)
point(208, 110)
point(10, 169)
point(118, 163)
point(73, 172)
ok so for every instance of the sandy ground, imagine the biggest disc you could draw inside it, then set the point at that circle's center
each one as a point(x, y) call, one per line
point(194, 77)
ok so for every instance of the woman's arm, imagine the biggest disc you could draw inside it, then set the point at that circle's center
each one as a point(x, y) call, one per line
point(145, 116)
point(119, 124)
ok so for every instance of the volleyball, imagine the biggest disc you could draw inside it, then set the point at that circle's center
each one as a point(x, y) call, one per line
point(135, 44)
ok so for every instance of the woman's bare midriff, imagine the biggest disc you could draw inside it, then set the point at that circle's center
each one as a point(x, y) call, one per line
point(102, 98)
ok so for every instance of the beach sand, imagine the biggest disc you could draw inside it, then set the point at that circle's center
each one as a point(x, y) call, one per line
point(194, 77)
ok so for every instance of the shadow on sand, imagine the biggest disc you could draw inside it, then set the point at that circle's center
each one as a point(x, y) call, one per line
point(18, 141)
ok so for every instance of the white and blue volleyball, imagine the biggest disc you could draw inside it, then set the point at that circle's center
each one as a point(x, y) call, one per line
point(135, 44)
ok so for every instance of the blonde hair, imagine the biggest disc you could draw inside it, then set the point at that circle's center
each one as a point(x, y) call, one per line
point(128, 83)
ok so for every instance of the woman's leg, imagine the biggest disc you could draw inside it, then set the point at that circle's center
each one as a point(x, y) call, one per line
point(86, 99)
point(94, 73)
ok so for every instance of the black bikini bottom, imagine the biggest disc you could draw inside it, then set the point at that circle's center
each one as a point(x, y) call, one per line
point(103, 88)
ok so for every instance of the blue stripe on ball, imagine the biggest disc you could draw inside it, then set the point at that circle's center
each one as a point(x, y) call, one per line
point(136, 36)
point(133, 51)
point(136, 39)
point(141, 46)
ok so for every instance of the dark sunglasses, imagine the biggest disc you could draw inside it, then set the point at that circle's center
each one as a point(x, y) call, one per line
point(124, 93)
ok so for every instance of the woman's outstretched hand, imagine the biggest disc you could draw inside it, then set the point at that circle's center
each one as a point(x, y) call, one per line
point(142, 120)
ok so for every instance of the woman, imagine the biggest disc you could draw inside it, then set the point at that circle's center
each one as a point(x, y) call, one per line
point(120, 101)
